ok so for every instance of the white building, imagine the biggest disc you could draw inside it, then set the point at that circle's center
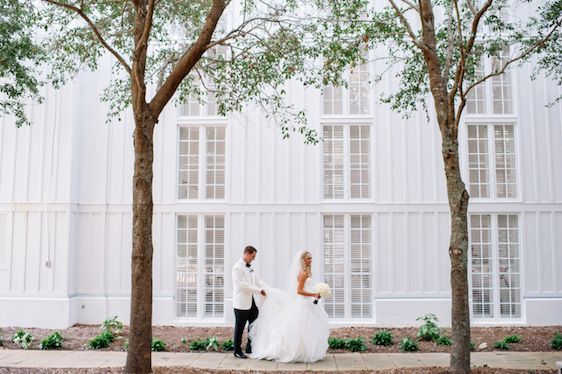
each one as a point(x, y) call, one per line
point(369, 203)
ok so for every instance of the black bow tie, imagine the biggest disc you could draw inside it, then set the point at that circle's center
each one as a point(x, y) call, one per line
point(248, 265)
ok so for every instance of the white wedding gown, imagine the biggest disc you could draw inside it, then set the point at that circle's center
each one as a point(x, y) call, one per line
point(290, 328)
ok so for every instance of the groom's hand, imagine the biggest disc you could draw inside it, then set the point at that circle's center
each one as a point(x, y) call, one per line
point(263, 293)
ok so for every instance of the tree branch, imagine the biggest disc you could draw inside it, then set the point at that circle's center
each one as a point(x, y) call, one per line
point(411, 5)
point(94, 30)
point(142, 42)
point(450, 35)
point(188, 59)
point(524, 54)
point(406, 24)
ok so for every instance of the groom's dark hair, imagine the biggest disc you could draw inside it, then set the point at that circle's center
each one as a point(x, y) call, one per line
point(250, 249)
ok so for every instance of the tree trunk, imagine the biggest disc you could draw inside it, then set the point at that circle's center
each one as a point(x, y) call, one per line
point(458, 251)
point(139, 351)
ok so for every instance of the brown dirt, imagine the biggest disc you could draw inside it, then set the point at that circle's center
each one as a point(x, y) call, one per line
point(184, 370)
point(533, 339)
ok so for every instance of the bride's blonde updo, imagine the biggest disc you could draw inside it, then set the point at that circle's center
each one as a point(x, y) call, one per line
point(306, 268)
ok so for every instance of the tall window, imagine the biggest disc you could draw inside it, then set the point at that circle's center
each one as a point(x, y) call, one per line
point(353, 100)
point(348, 265)
point(495, 95)
point(495, 266)
point(346, 164)
point(200, 266)
point(202, 102)
point(202, 164)
point(492, 163)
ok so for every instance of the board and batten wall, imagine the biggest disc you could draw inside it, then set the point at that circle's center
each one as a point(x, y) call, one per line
point(65, 207)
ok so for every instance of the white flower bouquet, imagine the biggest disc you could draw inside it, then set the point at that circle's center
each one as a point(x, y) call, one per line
point(323, 289)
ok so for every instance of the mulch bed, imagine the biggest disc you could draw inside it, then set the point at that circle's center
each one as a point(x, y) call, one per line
point(533, 339)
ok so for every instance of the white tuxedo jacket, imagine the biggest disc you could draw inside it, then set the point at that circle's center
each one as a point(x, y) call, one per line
point(246, 283)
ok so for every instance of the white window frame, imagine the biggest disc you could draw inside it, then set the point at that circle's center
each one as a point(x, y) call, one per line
point(203, 100)
point(487, 85)
point(346, 96)
point(347, 265)
point(490, 124)
point(495, 270)
point(200, 269)
point(202, 167)
point(346, 161)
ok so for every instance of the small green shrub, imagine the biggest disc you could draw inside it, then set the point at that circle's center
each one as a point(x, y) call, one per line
point(198, 345)
point(336, 343)
point(443, 340)
point(183, 340)
point(102, 340)
point(227, 345)
point(356, 345)
point(556, 342)
point(157, 345)
point(501, 345)
point(408, 345)
point(112, 325)
point(512, 339)
point(429, 330)
point(212, 344)
point(126, 345)
point(472, 346)
point(22, 338)
point(53, 341)
point(1, 338)
point(383, 337)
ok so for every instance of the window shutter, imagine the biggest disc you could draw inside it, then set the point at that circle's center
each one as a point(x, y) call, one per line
point(476, 98)
point(361, 269)
point(213, 267)
point(359, 154)
point(334, 260)
point(359, 100)
point(188, 170)
point(478, 161)
point(216, 147)
point(332, 100)
point(509, 276)
point(186, 266)
point(333, 162)
point(502, 96)
point(482, 266)
point(504, 139)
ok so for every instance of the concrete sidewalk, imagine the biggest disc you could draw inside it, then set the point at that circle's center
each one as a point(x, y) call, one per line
point(333, 362)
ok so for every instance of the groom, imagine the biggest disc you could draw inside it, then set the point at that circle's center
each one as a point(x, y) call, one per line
point(246, 284)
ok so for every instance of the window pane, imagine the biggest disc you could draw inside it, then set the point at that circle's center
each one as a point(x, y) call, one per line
point(504, 144)
point(333, 162)
point(216, 168)
point(481, 258)
point(361, 287)
point(188, 164)
point(333, 264)
point(213, 270)
point(478, 167)
point(508, 261)
point(359, 101)
point(186, 266)
point(359, 161)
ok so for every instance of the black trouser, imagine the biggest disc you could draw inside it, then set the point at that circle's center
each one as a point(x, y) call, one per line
point(242, 316)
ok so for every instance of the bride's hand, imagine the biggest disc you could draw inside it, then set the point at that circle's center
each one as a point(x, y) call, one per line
point(318, 295)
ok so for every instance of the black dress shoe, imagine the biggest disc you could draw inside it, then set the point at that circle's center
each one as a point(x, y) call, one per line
point(240, 355)
point(249, 351)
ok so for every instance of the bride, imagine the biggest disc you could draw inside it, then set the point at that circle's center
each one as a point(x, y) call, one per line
point(290, 327)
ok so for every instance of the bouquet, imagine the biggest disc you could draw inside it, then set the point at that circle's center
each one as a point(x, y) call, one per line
point(323, 289)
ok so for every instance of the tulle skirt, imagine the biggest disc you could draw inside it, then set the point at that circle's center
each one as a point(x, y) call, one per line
point(290, 329)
